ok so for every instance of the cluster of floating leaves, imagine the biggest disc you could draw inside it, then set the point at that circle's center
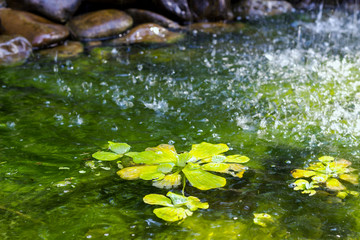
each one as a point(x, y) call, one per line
point(326, 174)
point(166, 169)
point(176, 207)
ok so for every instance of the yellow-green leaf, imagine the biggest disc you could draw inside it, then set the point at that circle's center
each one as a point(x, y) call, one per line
point(169, 181)
point(203, 180)
point(237, 159)
point(177, 199)
point(106, 156)
point(218, 159)
point(334, 184)
point(298, 173)
point(152, 176)
point(216, 167)
point(204, 150)
point(193, 203)
point(342, 194)
point(352, 178)
point(172, 214)
point(183, 158)
point(320, 178)
point(302, 184)
point(326, 159)
point(157, 199)
point(164, 153)
point(119, 148)
point(165, 167)
point(132, 173)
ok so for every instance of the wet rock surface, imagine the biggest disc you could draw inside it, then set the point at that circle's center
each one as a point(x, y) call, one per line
point(69, 49)
point(14, 49)
point(144, 16)
point(216, 27)
point(148, 33)
point(212, 10)
point(58, 10)
point(38, 30)
point(100, 24)
point(179, 9)
point(261, 8)
point(2, 3)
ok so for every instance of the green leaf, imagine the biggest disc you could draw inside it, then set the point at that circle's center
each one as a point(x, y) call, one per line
point(326, 159)
point(205, 150)
point(183, 158)
point(334, 184)
point(352, 178)
point(153, 157)
point(194, 203)
point(172, 214)
point(177, 199)
point(165, 167)
point(218, 159)
point(132, 173)
point(202, 179)
point(106, 156)
point(299, 173)
point(152, 176)
point(157, 199)
point(119, 148)
point(169, 181)
point(216, 167)
point(237, 159)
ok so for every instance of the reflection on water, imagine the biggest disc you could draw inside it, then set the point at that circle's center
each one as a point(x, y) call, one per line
point(282, 92)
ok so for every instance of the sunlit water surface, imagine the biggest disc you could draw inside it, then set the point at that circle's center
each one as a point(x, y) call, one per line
point(282, 92)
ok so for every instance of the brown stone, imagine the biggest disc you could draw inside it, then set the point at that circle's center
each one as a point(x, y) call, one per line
point(148, 33)
point(261, 8)
point(69, 49)
point(38, 30)
point(100, 24)
point(211, 10)
point(141, 16)
point(58, 10)
point(14, 49)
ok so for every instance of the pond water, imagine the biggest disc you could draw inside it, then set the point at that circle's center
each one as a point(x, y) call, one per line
point(281, 91)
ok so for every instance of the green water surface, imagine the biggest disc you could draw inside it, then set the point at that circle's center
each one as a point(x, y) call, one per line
point(281, 91)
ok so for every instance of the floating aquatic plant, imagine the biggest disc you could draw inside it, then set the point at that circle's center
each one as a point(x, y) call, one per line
point(176, 207)
point(166, 168)
point(326, 174)
point(117, 151)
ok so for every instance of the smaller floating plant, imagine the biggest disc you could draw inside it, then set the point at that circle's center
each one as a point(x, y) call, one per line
point(327, 175)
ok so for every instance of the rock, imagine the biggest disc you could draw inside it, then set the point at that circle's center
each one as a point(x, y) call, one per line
point(211, 10)
point(39, 31)
point(100, 24)
point(216, 27)
point(148, 33)
point(58, 10)
point(144, 16)
point(69, 49)
point(14, 49)
point(176, 8)
point(2, 3)
point(261, 8)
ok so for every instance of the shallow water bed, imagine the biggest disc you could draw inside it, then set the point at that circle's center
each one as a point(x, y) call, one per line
point(282, 92)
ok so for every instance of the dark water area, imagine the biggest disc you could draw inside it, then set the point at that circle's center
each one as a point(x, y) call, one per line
point(282, 91)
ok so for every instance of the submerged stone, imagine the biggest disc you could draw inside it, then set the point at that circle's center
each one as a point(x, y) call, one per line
point(59, 11)
point(100, 24)
point(69, 49)
point(216, 27)
point(213, 10)
point(148, 33)
point(261, 8)
point(38, 30)
point(14, 49)
point(144, 16)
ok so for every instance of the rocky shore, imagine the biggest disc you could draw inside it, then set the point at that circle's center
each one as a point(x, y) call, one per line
point(62, 28)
